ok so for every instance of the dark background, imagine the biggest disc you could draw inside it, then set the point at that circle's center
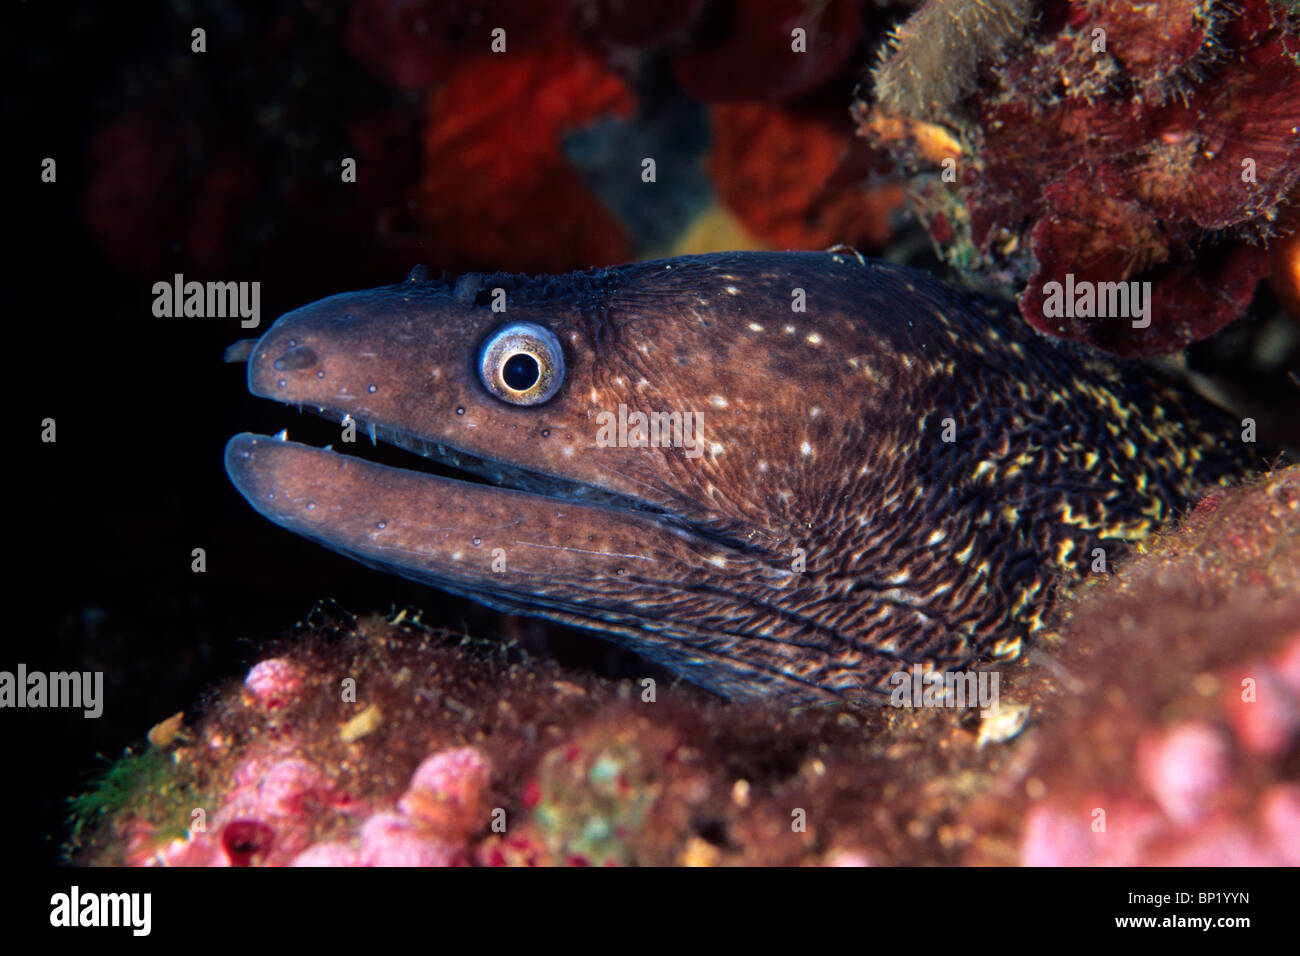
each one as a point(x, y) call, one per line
point(225, 167)
point(101, 524)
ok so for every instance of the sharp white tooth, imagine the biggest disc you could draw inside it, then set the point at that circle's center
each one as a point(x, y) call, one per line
point(346, 418)
point(283, 435)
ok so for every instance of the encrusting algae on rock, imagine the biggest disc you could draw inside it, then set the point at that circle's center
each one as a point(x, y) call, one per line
point(1183, 718)
point(1154, 142)
point(1166, 709)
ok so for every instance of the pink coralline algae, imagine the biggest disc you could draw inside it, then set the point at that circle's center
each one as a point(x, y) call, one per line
point(329, 855)
point(390, 839)
point(266, 819)
point(1118, 832)
point(275, 811)
point(1262, 703)
point(1182, 768)
point(281, 808)
point(274, 682)
point(1097, 831)
point(441, 808)
point(283, 795)
point(447, 792)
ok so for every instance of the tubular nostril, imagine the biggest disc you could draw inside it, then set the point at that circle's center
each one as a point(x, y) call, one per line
point(296, 358)
point(239, 351)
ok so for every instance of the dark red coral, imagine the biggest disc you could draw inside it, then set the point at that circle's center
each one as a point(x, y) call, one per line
point(1231, 153)
point(414, 44)
point(1164, 157)
point(497, 190)
point(1196, 289)
point(1157, 43)
point(634, 23)
point(1136, 188)
point(745, 49)
point(235, 170)
point(153, 201)
point(795, 181)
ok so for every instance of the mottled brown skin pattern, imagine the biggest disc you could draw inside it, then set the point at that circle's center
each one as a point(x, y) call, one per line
point(824, 434)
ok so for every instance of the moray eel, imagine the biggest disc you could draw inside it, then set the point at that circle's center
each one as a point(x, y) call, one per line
point(877, 469)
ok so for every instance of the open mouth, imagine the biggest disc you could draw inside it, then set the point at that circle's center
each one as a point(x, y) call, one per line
point(437, 459)
point(414, 503)
point(434, 468)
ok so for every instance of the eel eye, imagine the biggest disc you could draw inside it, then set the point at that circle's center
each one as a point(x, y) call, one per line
point(521, 363)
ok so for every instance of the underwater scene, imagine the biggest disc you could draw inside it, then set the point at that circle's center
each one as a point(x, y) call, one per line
point(670, 434)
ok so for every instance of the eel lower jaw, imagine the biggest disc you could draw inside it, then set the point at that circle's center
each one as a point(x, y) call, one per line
point(457, 532)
